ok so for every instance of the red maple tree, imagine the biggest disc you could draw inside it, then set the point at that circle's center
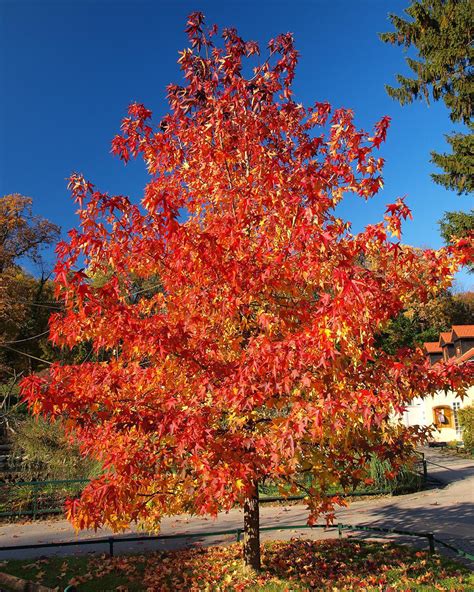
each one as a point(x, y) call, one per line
point(236, 315)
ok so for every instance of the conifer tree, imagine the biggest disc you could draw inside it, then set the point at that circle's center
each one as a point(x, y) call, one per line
point(455, 225)
point(441, 32)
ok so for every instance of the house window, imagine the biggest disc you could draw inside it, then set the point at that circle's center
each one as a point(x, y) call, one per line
point(443, 417)
point(457, 426)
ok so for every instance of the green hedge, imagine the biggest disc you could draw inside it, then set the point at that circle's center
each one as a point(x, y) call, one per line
point(466, 420)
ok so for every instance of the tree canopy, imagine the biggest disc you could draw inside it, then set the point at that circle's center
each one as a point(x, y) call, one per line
point(441, 33)
point(257, 357)
point(22, 234)
point(24, 299)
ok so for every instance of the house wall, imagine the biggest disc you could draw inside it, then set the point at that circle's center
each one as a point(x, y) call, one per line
point(448, 351)
point(422, 412)
point(415, 414)
point(436, 357)
point(466, 344)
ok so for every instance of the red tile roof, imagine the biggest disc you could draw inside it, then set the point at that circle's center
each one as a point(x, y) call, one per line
point(448, 337)
point(459, 331)
point(433, 347)
point(445, 338)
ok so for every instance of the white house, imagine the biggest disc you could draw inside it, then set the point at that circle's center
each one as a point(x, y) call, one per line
point(441, 409)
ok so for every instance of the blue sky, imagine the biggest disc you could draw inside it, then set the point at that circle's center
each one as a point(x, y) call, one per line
point(69, 69)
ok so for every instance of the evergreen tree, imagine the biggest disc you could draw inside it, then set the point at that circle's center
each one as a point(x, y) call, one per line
point(459, 225)
point(456, 224)
point(441, 31)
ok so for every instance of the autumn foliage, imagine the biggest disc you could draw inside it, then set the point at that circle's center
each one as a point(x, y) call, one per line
point(23, 312)
point(255, 357)
point(286, 565)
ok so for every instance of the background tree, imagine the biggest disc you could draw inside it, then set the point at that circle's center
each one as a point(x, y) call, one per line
point(466, 420)
point(424, 321)
point(441, 32)
point(25, 301)
point(457, 225)
point(256, 358)
point(22, 235)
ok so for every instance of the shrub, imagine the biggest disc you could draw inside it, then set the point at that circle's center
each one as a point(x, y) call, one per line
point(466, 420)
point(407, 480)
point(42, 451)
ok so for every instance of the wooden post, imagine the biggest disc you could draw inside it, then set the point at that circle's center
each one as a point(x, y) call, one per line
point(35, 500)
point(252, 530)
point(431, 542)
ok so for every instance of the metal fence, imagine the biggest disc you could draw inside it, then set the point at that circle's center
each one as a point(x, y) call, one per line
point(36, 498)
point(413, 479)
point(113, 541)
point(429, 537)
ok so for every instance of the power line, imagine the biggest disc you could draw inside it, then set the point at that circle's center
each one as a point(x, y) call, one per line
point(45, 304)
point(26, 338)
point(57, 306)
point(25, 354)
point(134, 293)
point(87, 356)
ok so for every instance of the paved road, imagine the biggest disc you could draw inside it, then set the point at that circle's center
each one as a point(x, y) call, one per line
point(446, 511)
point(447, 467)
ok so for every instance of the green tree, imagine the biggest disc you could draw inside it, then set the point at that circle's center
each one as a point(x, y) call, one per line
point(441, 32)
point(458, 225)
point(422, 322)
point(466, 419)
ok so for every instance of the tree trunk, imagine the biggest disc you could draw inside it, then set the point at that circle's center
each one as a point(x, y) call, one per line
point(252, 530)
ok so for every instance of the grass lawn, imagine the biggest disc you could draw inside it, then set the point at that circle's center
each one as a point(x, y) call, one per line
point(296, 565)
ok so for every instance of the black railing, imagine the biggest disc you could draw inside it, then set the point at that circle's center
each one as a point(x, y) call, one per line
point(238, 532)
